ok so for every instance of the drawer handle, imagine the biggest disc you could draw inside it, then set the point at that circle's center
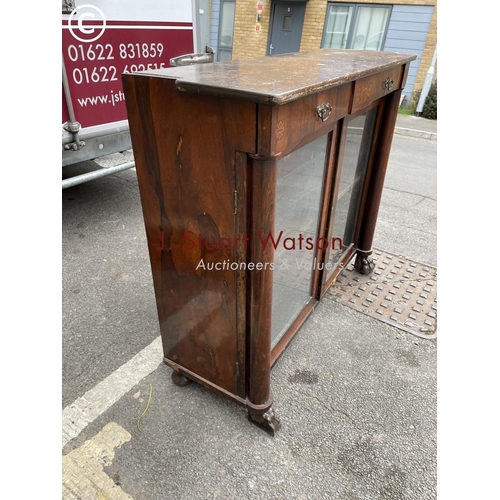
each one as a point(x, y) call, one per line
point(389, 83)
point(324, 111)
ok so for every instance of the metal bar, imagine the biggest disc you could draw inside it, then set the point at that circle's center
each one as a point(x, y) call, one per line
point(427, 85)
point(201, 58)
point(72, 125)
point(97, 174)
point(67, 93)
point(98, 147)
point(86, 133)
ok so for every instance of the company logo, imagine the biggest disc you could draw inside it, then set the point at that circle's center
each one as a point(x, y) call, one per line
point(199, 242)
point(94, 27)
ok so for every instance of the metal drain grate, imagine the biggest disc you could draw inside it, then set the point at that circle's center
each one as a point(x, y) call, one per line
point(399, 292)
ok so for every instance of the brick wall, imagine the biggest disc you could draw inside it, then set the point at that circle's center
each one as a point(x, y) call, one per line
point(430, 45)
point(248, 42)
point(314, 22)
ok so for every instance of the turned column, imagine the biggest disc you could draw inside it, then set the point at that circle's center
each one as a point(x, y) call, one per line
point(364, 263)
point(262, 198)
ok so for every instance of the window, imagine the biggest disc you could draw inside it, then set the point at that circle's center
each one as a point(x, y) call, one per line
point(287, 23)
point(355, 26)
point(226, 29)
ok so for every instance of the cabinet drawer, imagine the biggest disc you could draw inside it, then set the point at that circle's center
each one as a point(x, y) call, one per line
point(373, 87)
point(283, 128)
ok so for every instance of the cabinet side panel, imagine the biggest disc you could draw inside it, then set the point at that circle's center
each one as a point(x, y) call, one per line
point(184, 148)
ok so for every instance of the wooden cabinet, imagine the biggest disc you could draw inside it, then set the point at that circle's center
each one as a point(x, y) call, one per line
point(259, 180)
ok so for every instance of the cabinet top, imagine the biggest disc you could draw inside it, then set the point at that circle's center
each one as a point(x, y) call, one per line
point(282, 78)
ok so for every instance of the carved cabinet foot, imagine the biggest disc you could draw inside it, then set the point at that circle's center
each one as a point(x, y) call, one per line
point(268, 421)
point(364, 263)
point(180, 380)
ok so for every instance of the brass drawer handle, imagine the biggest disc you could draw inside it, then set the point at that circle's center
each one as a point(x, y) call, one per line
point(324, 111)
point(389, 83)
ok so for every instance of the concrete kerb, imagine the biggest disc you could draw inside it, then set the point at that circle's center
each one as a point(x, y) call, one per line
point(416, 133)
point(416, 127)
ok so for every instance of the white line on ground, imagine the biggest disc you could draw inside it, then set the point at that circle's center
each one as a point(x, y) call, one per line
point(83, 411)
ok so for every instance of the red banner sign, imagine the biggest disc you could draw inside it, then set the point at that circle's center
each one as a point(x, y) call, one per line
point(97, 54)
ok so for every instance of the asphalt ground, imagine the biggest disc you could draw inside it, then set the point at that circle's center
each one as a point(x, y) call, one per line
point(356, 397)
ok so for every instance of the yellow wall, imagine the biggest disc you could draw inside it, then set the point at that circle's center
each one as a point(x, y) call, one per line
point(246, 41)
point(430, 45)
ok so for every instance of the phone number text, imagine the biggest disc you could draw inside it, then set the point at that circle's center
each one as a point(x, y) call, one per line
point(107, 52)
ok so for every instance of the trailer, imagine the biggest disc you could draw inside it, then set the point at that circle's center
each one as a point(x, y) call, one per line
point(100, 42)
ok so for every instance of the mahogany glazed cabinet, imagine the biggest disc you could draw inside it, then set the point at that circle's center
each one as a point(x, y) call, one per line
point(259, 180)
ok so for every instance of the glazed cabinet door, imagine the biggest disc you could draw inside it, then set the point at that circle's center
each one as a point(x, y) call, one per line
point(350, 176)
point(298, 206)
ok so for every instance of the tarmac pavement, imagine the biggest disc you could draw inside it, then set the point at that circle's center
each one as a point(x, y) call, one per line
point(356, 397)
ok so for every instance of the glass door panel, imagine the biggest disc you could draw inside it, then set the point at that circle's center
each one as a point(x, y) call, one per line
point(370, 28)
point(345, 211)
point(226, 29)
point(338, 20)
point(356, 26)
point(298, 198)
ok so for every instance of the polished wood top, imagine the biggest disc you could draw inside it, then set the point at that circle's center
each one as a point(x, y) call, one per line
point(282, 78)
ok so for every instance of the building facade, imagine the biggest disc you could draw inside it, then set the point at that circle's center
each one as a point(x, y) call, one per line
point(249, 28)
